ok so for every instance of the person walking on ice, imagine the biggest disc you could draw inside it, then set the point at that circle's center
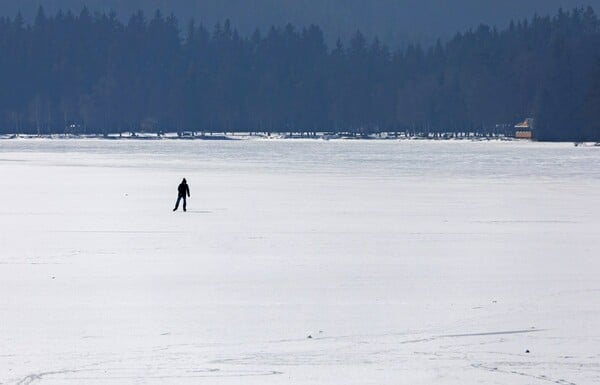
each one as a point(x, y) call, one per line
point(183, 192)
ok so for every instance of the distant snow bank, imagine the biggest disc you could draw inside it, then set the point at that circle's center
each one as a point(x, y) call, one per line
point(257, 136)
point(278, 136)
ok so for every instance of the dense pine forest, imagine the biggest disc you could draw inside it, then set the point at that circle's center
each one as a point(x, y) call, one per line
point(395, 22)
point(92, 73)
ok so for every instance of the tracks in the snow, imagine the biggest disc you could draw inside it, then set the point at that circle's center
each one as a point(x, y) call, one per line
point(540, 377)
point(39, 376)
point(129, 374)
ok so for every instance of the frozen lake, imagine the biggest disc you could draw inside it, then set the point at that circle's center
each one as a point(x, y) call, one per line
point(405, 262)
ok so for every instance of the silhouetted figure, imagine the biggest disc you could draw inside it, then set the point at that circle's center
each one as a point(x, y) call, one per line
point(183, 192)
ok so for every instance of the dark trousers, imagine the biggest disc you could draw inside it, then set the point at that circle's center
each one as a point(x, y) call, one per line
point(179, 198)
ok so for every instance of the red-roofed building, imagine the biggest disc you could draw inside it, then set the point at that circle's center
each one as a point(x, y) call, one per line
point(524, 130)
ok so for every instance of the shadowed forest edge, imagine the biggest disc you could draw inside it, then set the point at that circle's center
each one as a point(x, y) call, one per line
point(94, 74)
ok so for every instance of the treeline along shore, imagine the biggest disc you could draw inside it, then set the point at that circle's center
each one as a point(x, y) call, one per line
point(91, 73)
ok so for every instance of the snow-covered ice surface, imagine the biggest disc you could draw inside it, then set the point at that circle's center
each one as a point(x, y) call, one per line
point(406, 262)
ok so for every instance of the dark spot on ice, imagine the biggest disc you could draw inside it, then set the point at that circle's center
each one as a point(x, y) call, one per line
point(309, 337)
point(527, 351)
point(53, 277)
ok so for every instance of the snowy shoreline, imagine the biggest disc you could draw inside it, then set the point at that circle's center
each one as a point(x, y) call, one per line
point(278, 137)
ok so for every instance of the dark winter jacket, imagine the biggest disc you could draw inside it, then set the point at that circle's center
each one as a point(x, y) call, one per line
point(183, 189)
